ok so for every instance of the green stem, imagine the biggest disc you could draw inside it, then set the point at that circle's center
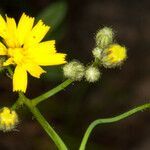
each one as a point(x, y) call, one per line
point(42, 121)
point(51, 92)
point(39, 117)
point(96, 62)
point(17, 104)
point(109, 120)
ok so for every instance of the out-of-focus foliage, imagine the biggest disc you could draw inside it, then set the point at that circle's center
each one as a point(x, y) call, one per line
point(54, 14)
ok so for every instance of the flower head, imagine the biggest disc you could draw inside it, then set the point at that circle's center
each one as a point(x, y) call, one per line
point(114, 55)
point(74, 70)
point(104, 37)
point(92, 74)
point(23, 48)
point(8, 119)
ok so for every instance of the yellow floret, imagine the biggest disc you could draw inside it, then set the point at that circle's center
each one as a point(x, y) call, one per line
point(114, 55)
point(8, 119)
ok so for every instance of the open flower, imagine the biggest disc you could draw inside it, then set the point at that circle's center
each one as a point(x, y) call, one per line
point(8, 119)
point(114, 56)
point(23, 48)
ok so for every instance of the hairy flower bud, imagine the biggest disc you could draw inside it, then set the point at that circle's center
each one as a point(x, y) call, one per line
point(92, 74)
point(104, 37)
point(8, 119)
point(97, 53)
point(114, 55)
point(74, 70)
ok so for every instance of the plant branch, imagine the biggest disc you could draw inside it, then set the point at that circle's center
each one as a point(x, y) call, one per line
point(109, 120)
point(42, 121)
point(51, 92)
point(39, 117)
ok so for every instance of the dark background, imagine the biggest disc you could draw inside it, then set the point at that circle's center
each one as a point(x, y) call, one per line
point(71, 110)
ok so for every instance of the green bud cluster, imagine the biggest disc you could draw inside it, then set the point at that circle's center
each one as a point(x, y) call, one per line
point(76, 71)
point(106, 53)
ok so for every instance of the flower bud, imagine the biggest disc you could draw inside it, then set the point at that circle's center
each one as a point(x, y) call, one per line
point(97, 53)
point(104, 37)
point(74, 70)
point(8, 119)
point(92, 74)
point(114, 56)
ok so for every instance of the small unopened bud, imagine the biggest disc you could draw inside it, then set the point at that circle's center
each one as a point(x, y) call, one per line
point(74, 70)
point(104, 37)
point(114, 56)
point(8, 119)
point(92, 74)
point(97, 53)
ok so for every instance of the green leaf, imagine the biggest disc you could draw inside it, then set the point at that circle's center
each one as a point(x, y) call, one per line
point(54, 14)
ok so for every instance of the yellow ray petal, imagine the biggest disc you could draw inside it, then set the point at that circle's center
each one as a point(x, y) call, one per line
point(3, 50)
point(24, 27)
point(51, 59)
point(44, 48)
point(37, 34)
point(11, 39)
point(20, 79)
point(34, 69)
point(2, 27)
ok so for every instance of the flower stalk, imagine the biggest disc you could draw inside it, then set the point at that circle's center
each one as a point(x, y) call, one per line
point(110, 120)
point(42, 121)
point(46, 126)
point(31, 104)
point(51, 92)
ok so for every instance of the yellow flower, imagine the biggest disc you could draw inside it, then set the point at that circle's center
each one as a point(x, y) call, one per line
point(114, 55)
point(8, 119)
point(23, 47)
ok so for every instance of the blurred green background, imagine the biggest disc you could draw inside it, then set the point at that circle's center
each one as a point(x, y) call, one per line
point(73, 25)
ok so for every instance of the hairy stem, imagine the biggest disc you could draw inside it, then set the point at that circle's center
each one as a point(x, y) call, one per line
point(109, 120)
